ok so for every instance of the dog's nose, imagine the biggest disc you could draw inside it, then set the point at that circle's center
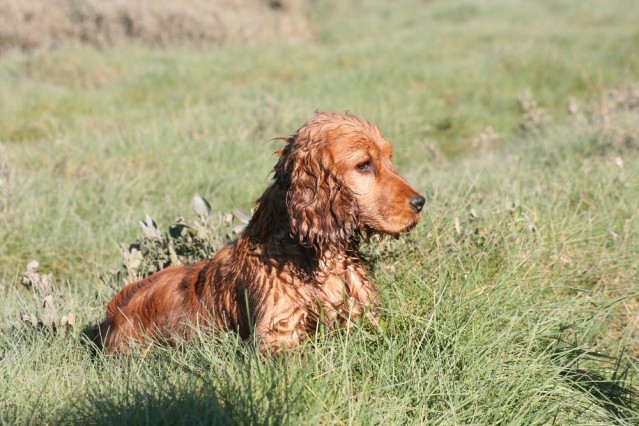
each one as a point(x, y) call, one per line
point(417, 202)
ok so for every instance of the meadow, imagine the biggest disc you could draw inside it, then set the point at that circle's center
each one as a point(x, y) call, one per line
point(515, 301)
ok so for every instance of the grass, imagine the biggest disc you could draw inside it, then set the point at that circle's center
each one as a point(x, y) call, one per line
point(515, 302)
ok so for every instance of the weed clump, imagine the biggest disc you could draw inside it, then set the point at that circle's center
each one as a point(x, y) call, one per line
point(617, 114)
point(185, 241)
point(5, 181)
point(44, 314)
point(534, 118)
point(486, 140)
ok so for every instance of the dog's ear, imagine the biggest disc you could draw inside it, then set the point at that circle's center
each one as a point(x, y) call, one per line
point(321, 209)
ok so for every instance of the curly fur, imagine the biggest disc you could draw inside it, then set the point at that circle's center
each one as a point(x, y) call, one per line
point(297, 263)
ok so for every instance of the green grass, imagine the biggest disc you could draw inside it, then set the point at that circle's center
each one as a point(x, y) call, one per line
point(515, 302)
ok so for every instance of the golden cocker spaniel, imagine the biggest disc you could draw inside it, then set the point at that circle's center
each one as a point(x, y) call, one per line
point(297, 263)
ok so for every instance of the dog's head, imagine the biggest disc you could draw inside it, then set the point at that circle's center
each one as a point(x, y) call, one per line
point(339, 180)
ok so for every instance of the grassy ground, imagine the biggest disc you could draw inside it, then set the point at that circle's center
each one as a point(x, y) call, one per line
point(514, 302)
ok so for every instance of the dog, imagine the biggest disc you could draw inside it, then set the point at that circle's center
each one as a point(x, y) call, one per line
point(297, 265)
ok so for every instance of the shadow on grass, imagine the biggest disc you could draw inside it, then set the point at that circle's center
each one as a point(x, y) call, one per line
point(167, 390)
point(612, 393)
point(603, 377)
point(140, 407)
point(187, 402)
point(90, 337)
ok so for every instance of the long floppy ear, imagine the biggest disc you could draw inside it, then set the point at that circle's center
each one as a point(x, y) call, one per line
point(321, 209)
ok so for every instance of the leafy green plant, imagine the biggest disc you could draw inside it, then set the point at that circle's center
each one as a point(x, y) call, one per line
point(185, 241)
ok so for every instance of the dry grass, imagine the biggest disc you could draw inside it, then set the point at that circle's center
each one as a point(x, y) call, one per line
point(32, 24)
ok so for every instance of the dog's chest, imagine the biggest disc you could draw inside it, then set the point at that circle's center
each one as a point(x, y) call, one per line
point(340, 282)
point(345, 293)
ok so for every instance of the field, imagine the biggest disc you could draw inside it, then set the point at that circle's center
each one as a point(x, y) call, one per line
point(515, 301)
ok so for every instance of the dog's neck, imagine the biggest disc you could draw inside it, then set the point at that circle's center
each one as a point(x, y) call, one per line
point(269, 232)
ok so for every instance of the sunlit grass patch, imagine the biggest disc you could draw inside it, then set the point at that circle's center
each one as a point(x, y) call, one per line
point(515, 300)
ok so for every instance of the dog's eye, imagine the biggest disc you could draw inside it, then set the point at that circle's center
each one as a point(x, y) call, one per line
point(366, 166)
